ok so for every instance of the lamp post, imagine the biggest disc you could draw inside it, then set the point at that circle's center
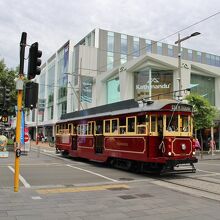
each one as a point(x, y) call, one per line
point(179, 58)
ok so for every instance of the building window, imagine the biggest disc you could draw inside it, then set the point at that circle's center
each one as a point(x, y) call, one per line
point(110, 42)
point(205, 87)
point(198, 56)
point(136, 47)
point(123, 58)
point(159, 48)
point(170, 50)
point(113, 90)
point(148, 46)
point(213, 60)
point(190, 55)
point(124, 45)
point(217, 61)
point(208, 59)
point(153, 82)
point(110, 60)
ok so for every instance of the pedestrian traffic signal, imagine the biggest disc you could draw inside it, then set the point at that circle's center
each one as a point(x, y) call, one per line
point(34, 61)
point(6, 97)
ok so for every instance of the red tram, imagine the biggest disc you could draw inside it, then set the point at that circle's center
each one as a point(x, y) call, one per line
point(154, 136)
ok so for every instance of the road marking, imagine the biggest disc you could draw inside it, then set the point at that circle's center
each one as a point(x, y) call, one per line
point(83, 189)
point(88, 171)
point(210, 164)
point(208, 171)
point(21, 178)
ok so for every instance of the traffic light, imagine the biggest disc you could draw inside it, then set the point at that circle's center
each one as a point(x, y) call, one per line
point(31, 95)
point(6, 97)
point(34, 61)
point(4, 116)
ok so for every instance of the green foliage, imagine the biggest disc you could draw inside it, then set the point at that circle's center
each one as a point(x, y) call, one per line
point(204, 113)
point(7, 77)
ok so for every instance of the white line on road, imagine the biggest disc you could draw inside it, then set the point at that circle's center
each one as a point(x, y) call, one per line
point(25, 183)
point(97, 174)
point(208, 171)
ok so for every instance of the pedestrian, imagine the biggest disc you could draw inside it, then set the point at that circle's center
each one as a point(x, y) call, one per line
point(197, 144)
point(212, 145)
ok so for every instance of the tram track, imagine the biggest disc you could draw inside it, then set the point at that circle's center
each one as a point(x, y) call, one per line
point(192, 185)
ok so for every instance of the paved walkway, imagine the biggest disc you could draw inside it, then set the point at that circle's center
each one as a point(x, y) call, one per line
point(142, 200)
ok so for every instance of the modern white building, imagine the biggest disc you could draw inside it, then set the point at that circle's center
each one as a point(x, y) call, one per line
point(106, 67)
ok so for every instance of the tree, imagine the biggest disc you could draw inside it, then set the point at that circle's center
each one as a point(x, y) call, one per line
point(7, 77)
point(204, 112)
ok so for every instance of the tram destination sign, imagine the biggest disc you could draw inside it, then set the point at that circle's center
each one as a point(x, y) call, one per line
point(178, 107)
point(182, 108)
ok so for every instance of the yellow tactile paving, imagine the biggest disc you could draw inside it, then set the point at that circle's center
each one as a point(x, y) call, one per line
point(82, 189)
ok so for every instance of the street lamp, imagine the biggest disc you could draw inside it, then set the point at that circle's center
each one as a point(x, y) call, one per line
point(179, 58)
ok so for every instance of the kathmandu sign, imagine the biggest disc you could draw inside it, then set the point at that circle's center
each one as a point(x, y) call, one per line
point(155, 84)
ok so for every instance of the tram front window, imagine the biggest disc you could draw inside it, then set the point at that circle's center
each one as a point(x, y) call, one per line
point(172, 123)
point(184, 123)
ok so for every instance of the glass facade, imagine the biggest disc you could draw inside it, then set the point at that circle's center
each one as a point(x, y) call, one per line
point(198, 56)
point(190, 55)
point(205, 87)
point(170, 50)
point(159, 48)
point(148, 46)
point(110, 48)
point(50, 89)
point(136, 47)
point(113, 90)
point(41, 96)
point(62, 79)
point(124, 44)
point(151, 83)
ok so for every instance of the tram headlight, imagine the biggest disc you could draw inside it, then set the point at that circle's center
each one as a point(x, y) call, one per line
point(183, 146)
point(169, 153)
point(194, 153)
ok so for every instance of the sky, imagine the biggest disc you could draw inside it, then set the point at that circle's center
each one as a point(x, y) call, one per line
point(51, 23)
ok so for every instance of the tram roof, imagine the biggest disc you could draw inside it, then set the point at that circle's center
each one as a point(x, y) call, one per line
point(117, 108)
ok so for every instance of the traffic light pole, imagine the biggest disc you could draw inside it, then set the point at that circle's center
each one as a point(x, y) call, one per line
point(19, 87)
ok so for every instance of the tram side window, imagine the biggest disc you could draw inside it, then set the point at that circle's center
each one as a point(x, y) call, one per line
point(184, 123)
point(153, 123)
point(160, 124)
point(99, 127)
point(122, 125)
point(131, 124)
point(107, 126)
point(172, 123)
point(70, 128)
point(90, 128)
point(115, 126)
point(141, 124)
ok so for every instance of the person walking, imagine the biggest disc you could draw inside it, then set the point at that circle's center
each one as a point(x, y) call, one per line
point(212, 146)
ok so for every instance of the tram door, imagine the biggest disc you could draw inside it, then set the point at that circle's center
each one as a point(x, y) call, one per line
point(73, 131)
point(99, 138)
point(74, 142)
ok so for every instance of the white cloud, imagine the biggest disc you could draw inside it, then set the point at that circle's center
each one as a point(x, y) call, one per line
point(52, 23)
